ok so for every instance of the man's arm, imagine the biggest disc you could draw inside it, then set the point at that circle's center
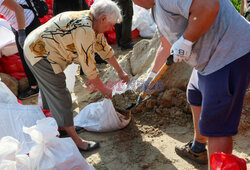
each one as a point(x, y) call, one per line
point(14, 6)
point(113, 62)
point(162, 54)
point(160, 59)
point(202, 15)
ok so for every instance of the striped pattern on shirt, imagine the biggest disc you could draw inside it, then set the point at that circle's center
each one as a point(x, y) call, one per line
point(11, 16)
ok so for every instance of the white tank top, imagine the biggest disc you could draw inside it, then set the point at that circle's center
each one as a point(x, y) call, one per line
point(11, 17)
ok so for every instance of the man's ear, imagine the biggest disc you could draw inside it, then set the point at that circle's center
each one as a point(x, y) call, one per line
point(104, 18)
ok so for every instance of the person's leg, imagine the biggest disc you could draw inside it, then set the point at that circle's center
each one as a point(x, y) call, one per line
point(30, 77)
point(32, 90)
point(118, 33)
point(223, 94)
point(219, 144)
point(58, 98)
point(124, 29)
point(196, 148)
point(196, 112)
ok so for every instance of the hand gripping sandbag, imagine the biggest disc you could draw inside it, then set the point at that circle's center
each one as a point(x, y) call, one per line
point(51, 152)
point(9, 157)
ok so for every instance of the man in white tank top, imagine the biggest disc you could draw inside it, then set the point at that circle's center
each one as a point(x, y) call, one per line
point(22, 21)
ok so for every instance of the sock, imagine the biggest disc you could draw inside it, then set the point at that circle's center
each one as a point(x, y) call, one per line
point(198, 147)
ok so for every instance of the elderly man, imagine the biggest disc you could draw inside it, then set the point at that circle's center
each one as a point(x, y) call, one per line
point(212, 37)
point(66, 38)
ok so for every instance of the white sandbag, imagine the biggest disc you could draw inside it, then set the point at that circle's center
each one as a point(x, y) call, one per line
point(9, 157)
point(143, 21)
point(12, 119)
point(51, 152)
point(6, 95)
point(100, 117)
point(5, 24)
point(7, 36)
point(70, 73)
point(7, 43)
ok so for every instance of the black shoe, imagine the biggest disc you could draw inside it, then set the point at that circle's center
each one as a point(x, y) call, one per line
point(91, 146)
point(28, 93)
point(78, 129)
point(127, 47)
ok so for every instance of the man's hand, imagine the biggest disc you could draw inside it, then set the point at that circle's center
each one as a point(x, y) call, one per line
point(100, 86)
point(21, 37)
point(124, 77)
point(181, 49)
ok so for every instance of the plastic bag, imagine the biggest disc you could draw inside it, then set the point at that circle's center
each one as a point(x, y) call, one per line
point(13, 117)
point(9, 157)
point(52, 152)
point(222, 161)
point(70, 73)
point(142, 20)
point(102, 116)
point(7, 36)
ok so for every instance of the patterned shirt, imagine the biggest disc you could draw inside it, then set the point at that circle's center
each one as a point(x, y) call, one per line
point(11, 16)
point(66, 38)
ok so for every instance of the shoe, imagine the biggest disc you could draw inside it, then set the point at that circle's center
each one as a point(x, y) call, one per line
point(28, 93)
point(78, 129)
point(91, 146)
point(186, 152)
point(127, 47)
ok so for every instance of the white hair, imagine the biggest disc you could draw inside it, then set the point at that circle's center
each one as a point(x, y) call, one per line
point(108, 8)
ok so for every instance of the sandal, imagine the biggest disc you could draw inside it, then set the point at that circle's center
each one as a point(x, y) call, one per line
point(91, 146)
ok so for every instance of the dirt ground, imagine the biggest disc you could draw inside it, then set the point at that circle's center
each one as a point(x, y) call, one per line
point(157, 126)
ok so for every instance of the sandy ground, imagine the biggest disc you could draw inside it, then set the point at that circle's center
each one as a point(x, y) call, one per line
point(149, 140)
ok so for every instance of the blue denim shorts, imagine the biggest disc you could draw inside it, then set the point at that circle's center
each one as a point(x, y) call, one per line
point(220, 95)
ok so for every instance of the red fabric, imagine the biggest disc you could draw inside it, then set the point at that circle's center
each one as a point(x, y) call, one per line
point(19, 101)
point(222, 161)
point(11, 64)
point(90, 2)
point(135, 33)
point(50, 12)
point(18, 75)
point(1, 16)
point(111, 35)
point(1, 69)
point(46, 113)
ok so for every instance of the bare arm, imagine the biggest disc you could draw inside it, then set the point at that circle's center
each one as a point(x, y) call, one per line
point(162, 54)
point(113, 62)
point(122, 75)
point(14, 6)
point(100, 86)
point(202, 15)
